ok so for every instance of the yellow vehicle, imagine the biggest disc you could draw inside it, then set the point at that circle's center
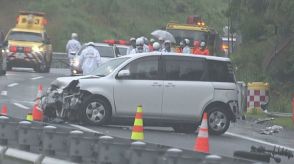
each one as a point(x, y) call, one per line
point(27, 44)
point(195, 29)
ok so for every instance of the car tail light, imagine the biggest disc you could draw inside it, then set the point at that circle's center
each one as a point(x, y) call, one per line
point(12, 48)
point(27, 49)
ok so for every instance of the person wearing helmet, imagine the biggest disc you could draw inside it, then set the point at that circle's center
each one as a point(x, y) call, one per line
point(186, 48)
point(132, 46)
point(161, 42)
point(156, 47)
point(139, 45)
point(72, 46)
point(167, 46)
point(150, 45)
point(202, 50)
point(89, 59)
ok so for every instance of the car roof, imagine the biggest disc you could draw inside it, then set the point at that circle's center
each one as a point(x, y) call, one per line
point(179, 55)
point(107, 45)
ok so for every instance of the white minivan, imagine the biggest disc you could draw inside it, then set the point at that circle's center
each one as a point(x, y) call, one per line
point(174, 90)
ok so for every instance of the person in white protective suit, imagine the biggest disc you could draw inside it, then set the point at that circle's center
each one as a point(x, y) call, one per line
point(131, 49)
point(72, 46)
point(90, 59)
point(186, 48)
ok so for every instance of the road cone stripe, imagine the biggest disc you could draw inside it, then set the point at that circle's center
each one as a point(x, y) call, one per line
point(138, 122)
point(139, 115)
point(201, 142)
point(137, 129)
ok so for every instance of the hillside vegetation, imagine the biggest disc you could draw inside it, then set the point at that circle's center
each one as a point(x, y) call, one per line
point(95, 20)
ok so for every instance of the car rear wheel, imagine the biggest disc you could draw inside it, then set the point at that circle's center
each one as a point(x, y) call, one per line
point(96, 111)
point(218, 121)
point(184, 128)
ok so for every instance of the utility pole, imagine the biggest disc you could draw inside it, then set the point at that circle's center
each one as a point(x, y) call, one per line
point(229, 27)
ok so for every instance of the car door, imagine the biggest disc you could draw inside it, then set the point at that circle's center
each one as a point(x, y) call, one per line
point(142, 87)
point(185, 93)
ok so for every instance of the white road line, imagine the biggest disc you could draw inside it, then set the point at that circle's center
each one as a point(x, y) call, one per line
point(12, 84)
point(35, 78)
point(21, 106)
point(84, 128)
point(258, 141)
point(3, 93)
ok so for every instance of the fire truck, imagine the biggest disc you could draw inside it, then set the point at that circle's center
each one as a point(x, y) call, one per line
point(195, 29)
point(27, 44)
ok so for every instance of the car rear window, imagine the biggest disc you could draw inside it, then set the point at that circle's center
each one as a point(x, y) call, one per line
point(25, 36)
point(220, 71)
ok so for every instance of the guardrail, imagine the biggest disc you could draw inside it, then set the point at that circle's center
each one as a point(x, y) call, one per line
point(41, 143)
point(59, 60)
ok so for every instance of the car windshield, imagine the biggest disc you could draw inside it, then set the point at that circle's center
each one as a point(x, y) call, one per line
point(180, 35)
point(25, 36)
point(108, 67)
point(122, 50)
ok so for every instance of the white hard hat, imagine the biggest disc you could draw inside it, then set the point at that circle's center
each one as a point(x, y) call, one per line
point(187, 41)
point(132, 39)
point(156, 46)
point(139, 41)
point(152, 40)
point(90, 44)
point(167, 41)
point(202, 44)
point(74, 35)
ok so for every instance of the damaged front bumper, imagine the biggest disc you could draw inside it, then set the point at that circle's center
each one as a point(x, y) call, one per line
point(61, 102)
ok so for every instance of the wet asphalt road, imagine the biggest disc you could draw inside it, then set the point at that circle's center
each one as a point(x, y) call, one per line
point(18, 89)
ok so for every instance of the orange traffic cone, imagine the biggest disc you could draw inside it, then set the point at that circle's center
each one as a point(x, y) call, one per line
point(201, 142)
point(37, 113)
point(4, 110)
point(138, 130)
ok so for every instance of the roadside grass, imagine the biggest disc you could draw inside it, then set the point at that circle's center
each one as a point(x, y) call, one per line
point(285, 122)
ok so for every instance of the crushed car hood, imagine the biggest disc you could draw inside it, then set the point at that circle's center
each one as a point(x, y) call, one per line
point(61, 82)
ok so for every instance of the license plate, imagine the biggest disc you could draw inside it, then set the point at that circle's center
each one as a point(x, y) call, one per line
point(20, 56)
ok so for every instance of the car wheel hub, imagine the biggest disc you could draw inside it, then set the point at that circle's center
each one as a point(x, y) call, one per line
point(95, 112)
point(217, 121)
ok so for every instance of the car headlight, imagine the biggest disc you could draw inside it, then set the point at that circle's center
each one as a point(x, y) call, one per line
point(4, 50)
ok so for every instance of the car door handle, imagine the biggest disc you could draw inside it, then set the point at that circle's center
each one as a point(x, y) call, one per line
point(169, 85)
point(155, 84)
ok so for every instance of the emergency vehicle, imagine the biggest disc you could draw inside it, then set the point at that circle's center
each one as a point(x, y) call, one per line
point(28, 44)
point(195, 29)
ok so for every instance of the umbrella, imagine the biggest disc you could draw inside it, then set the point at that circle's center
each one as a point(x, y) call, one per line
point(164, 34)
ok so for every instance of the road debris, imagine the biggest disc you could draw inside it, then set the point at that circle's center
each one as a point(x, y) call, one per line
point(271, 129)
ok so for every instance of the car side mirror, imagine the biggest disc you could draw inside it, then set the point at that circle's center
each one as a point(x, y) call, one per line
point(123, 74)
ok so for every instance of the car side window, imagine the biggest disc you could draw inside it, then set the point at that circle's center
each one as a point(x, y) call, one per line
point(144, 68)
point(183, 68)
point(219, 71)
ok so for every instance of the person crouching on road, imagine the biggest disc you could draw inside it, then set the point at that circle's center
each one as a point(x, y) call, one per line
point(132, 46)
point(202, 50)
point(186, 48)
point(167, 46)
point(72, 46)
point(90, 59)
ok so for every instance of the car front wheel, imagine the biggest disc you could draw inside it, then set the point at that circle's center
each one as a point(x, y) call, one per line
point(218, 121)
point(96, 111)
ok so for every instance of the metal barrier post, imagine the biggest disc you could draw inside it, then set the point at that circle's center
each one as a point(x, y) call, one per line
point(29, 137)
point(54, 142)
point(111, 151)
point(8, 132)
point(82, 147)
